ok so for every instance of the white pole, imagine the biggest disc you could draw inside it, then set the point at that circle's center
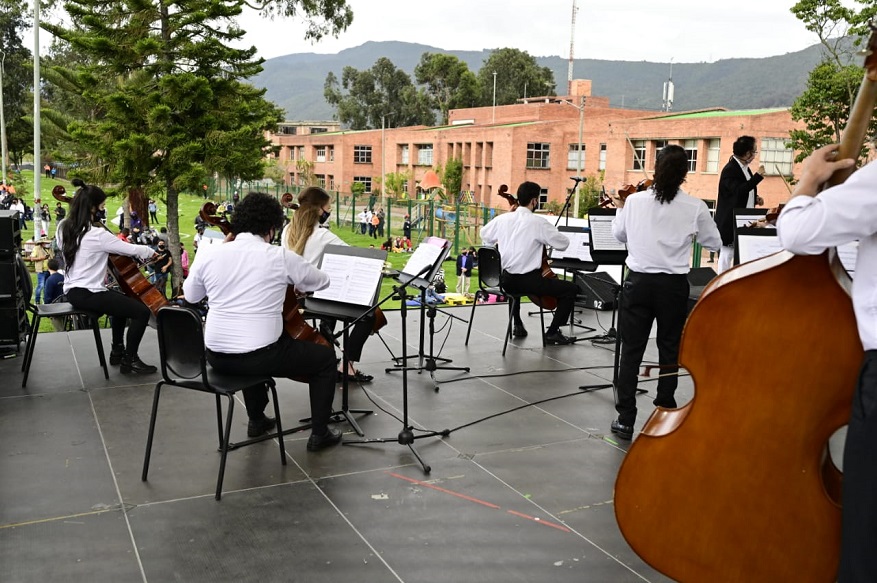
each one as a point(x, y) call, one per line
point(3, 151)
point(37, 165)
point(383, 168)
point(494, 97)
point(579, 165)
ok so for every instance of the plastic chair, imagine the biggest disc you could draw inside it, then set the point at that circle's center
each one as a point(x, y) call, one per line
point(184, 365)
point(490, 282)
point(54, 310)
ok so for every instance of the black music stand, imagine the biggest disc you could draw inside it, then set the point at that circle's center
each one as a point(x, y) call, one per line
point(349, 314)
point(426, 362)
point(406, 436)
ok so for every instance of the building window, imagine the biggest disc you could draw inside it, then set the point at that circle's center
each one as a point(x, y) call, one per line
point(639, 154)
point(658, 146)
point(365, 181)
point(424, 155)
point(538, 155)
point(712, 154)
point(331, 182)
point(403, 154)
point(488, 154)
point(292, 152)
point(321, 180)
point(362, 154)
point(331, 152)
point(572, 157)
point(319, 130)
point(286, 130)
point(543, 198)
point(320, 152)
point(776, 157)
point(691, 153)
point(601, 165)
point(301, 152)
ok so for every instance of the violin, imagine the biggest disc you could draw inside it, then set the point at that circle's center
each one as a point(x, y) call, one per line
point(544, 302)
point(125, 270)
point(626, 190)
point(294, 323)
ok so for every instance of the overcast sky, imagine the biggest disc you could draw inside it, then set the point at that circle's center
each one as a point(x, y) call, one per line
point(683, 31)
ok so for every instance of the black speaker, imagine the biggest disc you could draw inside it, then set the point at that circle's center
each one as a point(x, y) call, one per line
point(698, 278)
point(596, 290)
point(10, 233)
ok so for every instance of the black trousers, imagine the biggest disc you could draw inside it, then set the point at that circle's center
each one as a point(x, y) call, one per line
point(285, 358)
point(356, 337)
point(533, 283)
point(124, 310)
point(858, 557)
point(646, 297)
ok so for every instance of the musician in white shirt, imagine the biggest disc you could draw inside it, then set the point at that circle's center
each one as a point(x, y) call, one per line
point(521, 237)
point(658, 226)
point(245, 281)
point(86, 246)
point(811, 222)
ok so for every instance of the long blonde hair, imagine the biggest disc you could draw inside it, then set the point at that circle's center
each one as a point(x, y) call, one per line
point(304, 221)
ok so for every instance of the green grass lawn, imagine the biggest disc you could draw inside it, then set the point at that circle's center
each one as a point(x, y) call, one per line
point(189, 206)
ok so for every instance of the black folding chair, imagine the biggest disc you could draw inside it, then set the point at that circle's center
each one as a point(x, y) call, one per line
point(184, 365)
point(53, 310)
point(490, 282)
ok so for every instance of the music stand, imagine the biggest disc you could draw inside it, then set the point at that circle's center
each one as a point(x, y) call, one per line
point(349, 301)
point(428, 362)
point(406, 436)
point(577, 259)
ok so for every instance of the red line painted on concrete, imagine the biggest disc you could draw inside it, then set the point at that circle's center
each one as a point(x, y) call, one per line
point(445, 490)
point(539, 521)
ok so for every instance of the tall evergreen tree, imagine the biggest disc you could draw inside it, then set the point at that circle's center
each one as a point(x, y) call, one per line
point(17, 78)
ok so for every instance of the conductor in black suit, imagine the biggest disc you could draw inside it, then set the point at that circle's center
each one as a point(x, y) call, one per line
point(737, 189)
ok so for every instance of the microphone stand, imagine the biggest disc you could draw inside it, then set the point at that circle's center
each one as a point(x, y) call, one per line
point(406, 435)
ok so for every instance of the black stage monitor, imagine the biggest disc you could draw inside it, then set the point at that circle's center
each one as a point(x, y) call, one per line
point(605, 248)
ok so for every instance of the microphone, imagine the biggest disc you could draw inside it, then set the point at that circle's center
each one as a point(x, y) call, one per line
point(576, 178)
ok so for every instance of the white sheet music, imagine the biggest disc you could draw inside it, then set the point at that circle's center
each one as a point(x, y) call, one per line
point(579, 247)
point(848, 254)
point(352, 279)
point(751, 247)
point(427, 253)
point(601, 229)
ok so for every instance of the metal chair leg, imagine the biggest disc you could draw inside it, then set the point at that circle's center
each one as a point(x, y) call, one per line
point(508, 330)
point(95, 327)
point(151, 431)
point(273, 388)
point(471, 318)
point(29, 348)
point(225, 442)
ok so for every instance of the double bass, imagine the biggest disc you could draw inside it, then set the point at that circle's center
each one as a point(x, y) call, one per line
point(544, 302)
point(740, 482)
point(125, 270)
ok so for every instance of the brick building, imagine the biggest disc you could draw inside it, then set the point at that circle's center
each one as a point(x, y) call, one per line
point(538, 140)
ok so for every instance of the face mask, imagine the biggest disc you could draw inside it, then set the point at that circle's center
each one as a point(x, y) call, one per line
point(324, 217)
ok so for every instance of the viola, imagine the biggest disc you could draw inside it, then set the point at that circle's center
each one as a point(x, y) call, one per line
point(745, 487)
point(294, 323)
point(125, 270)
point(544, 302)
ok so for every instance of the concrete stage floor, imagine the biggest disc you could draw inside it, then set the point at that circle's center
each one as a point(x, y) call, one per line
point(520, 497)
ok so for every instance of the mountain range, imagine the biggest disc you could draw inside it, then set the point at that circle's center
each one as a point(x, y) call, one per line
point(295, 82)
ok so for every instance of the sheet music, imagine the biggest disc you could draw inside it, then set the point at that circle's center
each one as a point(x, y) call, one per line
point(751, 247)
point(427, 253)
point(352, 279)
point(848, 254)
point(579, 247)
point(601, 230)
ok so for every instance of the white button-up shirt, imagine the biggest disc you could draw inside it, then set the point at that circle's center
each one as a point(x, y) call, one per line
point(839, 215)
point(246, 282)
point(520, 237)
point(316, 243)
point(89, 269)
point(659, 236)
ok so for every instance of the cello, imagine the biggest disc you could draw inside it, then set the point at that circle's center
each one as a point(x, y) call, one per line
point(293, 322)
point(544, 302)
point(125, 270)
point(745, 488)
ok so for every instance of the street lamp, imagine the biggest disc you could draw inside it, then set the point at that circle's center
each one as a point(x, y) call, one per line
point(2, 121)
point(581, 109)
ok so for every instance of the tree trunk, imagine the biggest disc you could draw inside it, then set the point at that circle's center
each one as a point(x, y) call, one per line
point(173, 229)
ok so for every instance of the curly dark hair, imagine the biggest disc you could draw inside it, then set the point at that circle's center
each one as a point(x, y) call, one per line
point(671, 167)
point(257, 213)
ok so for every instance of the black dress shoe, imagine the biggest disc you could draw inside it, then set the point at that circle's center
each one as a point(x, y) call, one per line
point(117, 353)
point(357, 377)
point(318, 442)
point(257, 427)
point(519, 332)
point(557, 338)
point(133, 364)
point(622, 431)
